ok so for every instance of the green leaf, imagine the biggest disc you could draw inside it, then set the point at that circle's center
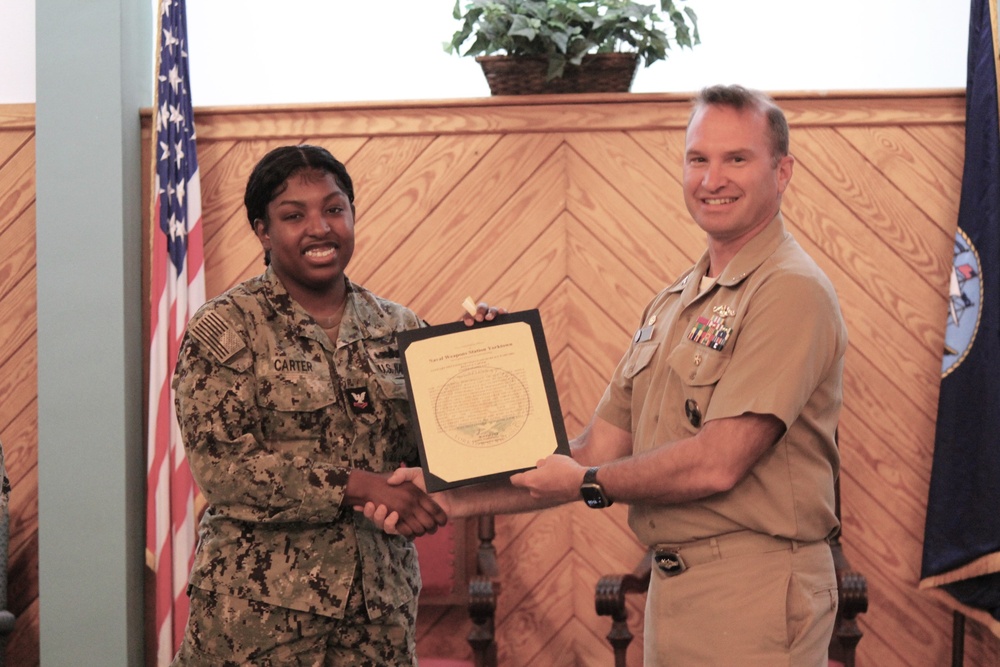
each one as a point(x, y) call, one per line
point(694, 23)
point(557, 65)
point(565, 30)
point(521, 26)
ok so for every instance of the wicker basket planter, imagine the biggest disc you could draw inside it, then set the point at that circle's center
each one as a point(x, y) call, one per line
point(598, 73)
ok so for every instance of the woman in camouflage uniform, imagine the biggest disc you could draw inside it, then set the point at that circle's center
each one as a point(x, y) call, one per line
point(293, 409)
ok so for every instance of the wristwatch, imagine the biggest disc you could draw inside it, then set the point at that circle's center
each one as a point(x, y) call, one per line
point(593, 492)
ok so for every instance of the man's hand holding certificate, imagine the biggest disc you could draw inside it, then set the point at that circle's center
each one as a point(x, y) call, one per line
point(483, 397)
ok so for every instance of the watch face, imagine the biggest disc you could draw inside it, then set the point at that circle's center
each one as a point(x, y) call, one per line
point(593, 496)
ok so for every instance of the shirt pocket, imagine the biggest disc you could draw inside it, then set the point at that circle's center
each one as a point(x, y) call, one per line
point(639, 358)
point(697, 370)
point(294, 406)
point(393, 387)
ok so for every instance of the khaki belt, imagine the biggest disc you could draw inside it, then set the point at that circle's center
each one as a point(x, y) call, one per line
point(672, 559)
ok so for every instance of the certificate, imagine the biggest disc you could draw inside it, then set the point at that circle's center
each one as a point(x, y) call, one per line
point(483, 398)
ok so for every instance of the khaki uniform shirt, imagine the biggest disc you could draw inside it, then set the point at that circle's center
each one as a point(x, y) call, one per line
point(274, 417)
point(766, 337)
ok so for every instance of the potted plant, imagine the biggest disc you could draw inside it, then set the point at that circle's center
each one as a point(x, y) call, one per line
point(530, 46)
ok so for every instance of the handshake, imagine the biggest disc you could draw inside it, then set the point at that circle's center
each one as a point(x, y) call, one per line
point(410, 511)
point(400, 505)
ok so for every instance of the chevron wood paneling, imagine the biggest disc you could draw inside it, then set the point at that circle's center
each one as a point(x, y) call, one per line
point(573, 205)
point(19, 372)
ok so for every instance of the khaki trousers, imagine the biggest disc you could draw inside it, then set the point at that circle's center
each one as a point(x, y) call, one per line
point(745, 599)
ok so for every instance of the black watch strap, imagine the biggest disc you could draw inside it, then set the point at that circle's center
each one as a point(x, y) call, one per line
point(592, 491)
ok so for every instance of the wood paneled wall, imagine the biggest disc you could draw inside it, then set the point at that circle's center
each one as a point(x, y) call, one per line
point(573, 205)
point(19, 372)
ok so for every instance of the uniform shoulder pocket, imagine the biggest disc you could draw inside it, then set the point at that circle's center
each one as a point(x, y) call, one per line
point(221, 340)
point(393, 386)
point(639, 358)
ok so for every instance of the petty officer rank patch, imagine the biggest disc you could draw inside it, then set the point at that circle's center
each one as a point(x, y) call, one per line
point(711, 332)
point(360, 401)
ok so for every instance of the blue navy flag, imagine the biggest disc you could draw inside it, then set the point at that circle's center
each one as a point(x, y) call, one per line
point(962, 534)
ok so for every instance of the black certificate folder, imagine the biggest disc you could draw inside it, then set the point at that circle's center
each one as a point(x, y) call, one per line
point(483, 398)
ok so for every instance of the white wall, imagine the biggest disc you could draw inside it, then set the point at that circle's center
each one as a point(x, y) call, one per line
point(17, 51)
point(266, 52)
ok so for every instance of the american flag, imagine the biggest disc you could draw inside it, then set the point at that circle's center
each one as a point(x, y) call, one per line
point(177, 287)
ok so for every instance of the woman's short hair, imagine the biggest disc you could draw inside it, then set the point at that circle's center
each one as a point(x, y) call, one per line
point(269, 177)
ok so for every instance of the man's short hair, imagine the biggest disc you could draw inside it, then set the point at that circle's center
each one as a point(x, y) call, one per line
point(740, 98)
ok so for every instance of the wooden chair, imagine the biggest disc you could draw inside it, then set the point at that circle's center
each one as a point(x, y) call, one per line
point(460, 568)
point(852, 593)
point(6, 617)
point(610, 600)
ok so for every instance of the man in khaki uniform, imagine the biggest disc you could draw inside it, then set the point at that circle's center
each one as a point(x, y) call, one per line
point(717, 427)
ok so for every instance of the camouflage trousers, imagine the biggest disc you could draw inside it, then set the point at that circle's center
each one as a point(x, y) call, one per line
point(225, 631)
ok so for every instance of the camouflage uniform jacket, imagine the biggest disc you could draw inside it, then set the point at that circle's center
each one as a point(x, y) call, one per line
point(274, 417)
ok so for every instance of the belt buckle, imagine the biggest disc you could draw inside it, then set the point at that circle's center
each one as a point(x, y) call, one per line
point(669, 562)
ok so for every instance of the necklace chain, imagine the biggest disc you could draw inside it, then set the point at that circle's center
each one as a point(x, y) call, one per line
point(332, 321)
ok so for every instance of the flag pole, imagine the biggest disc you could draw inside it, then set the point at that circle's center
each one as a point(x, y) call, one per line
point(151, 213)
point(150, 232)
point(149, 576)
point(152, 125)
point(957, 639)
